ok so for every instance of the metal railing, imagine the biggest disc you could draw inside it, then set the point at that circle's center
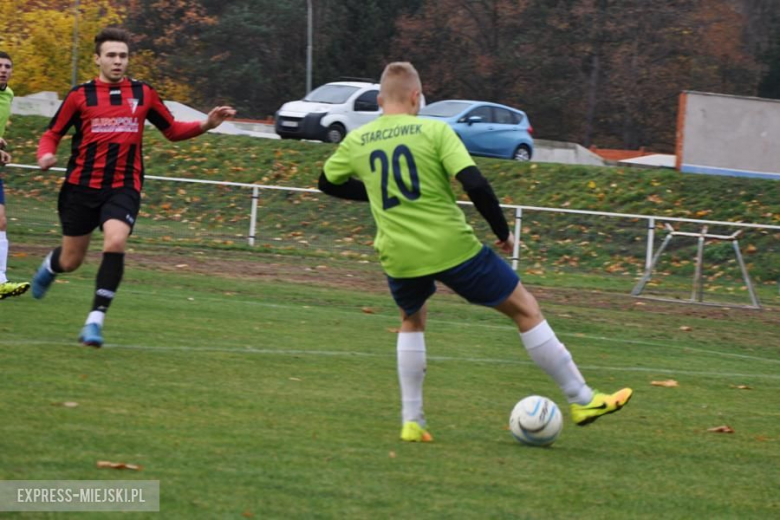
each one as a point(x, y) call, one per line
point(652, 221)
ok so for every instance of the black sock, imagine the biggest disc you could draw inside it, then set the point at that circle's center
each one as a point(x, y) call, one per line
point(109, 275)
point(54, 260)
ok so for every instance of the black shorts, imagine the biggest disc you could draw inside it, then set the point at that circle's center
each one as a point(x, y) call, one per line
point(82, 209)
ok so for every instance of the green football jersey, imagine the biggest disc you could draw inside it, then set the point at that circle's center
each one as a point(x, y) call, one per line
point(6, 96)
point(406, 163)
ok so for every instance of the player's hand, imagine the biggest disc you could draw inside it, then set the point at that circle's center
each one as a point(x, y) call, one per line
point(3, 144)
point(508, 245)
point(47, 161)
point(217, 116)
point(5, 157)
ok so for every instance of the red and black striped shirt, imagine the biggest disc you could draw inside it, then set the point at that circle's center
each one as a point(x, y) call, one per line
point(109, 119)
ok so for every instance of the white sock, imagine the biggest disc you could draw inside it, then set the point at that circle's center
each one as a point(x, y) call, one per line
point(47, 263)
point(3, 256)
point(96, 317)
point(411, 374)
point(552, 357)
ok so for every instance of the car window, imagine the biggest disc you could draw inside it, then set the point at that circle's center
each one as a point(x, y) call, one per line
point(484, 112)
point(333, 94)
point(366, 102)
point(444, 108)
point(506, 117)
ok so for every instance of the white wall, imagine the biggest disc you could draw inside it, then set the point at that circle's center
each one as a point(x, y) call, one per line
point(729, 135)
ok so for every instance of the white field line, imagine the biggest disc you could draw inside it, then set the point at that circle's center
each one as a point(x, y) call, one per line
point(354, 313)
point(390, 356)
point(483, 325)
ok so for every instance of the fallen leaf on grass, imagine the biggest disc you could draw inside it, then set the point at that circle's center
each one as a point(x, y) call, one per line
point(393, 330)
point(368, 310)
point(686, 328)
point(762, 438)
point(294, 379)
point(247, 514)
point(104, 464)
point(180, 266)
point(19, 255)
point(721, 429)
point(741, 387)
point(392, 454)
point(669, 383)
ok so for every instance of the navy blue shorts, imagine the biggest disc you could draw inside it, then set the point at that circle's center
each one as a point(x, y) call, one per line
point(485, 279)
point(2, 195)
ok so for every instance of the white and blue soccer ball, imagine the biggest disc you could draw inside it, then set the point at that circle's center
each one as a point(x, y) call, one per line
point(536, 421)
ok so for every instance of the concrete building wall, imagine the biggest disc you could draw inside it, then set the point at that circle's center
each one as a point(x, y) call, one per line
point(728, 135)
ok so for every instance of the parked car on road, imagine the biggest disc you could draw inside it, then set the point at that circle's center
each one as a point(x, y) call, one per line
point(487, 129)
point(328, 112)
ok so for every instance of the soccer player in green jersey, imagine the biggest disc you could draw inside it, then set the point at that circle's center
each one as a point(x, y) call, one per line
point(402, 165)
point(7, 289)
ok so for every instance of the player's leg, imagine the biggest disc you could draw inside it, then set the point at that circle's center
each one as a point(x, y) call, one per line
point(410, 295)
point(552, 356)
point(118, 215)
point(543, 345)
point(488, 280)
point(79, 212)
point(63, 259)
point(109, 276)
point(3, 238)
point(7, 289)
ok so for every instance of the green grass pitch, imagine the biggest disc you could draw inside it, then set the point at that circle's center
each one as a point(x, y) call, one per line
point(268, 396)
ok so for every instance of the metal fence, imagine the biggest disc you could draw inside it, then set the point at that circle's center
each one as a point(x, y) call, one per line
point(550, 241)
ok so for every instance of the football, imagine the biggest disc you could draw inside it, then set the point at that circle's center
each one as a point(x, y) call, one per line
point(536, 421)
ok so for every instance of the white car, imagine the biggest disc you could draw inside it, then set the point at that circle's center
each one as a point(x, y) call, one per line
point(327, 113)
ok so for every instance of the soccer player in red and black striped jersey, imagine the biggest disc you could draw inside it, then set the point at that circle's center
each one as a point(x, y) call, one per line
point(105, 173)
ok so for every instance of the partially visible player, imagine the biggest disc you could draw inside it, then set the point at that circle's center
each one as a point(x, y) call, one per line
point(105, 172)
point(7, 289)
point(403, 165)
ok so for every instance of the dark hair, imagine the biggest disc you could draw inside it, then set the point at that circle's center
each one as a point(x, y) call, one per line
point(111, 34)
point(6, 56)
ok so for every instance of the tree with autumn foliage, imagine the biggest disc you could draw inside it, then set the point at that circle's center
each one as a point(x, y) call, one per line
point(601, 72)
point(166, 38)
point(39, 37)
point(604, 72)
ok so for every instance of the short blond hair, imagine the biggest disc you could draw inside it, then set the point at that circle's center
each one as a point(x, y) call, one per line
point(399, 80)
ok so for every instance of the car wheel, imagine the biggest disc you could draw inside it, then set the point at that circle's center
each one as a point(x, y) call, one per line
point(522, 154)
point(335, 133)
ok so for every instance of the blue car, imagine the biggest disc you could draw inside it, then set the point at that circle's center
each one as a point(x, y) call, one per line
point(487, 129)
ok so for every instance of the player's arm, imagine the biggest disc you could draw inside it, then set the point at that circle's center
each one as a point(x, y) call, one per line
point(337, 176)
point(173, 130)
point(67, 115)
point(484, 198)
point(353, 189)
point(458, 163)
